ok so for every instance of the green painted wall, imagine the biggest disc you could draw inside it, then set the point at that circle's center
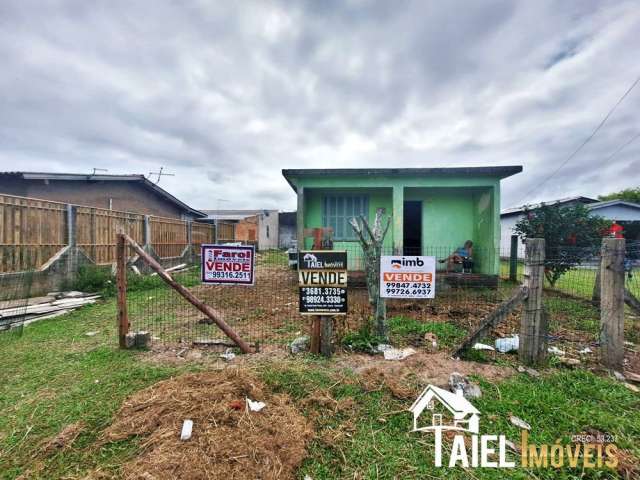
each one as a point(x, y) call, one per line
point(455, 209)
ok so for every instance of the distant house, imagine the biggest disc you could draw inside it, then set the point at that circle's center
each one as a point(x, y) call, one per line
point(258, 227)
point(287, 229)
point(434, 210)
point(129, 193)
point(626, 214)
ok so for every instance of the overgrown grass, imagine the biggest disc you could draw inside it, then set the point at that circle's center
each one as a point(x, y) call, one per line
point(100, 279)
point(371, 438)
point(448, 333)
point(56, 375)
point(402, 331)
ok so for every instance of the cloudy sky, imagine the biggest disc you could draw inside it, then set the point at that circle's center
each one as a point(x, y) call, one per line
point(226, 94)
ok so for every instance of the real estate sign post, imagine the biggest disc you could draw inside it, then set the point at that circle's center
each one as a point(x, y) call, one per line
point(407, 276)
point(322, 276)
point(228, 265)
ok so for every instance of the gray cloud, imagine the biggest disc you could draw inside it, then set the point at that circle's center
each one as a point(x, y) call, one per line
point(227, 94)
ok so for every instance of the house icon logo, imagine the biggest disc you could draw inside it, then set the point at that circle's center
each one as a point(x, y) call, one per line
point(466, 418)
point(311, 260)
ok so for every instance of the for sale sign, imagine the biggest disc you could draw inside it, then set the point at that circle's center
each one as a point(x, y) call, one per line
point(322, 276)
point(225, 264)
point(407, 277)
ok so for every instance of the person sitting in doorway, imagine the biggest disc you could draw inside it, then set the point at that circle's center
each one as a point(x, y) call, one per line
point(461, 256)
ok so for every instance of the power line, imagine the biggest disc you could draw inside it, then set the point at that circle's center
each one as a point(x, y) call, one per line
point(622, 147)
point(587, 140)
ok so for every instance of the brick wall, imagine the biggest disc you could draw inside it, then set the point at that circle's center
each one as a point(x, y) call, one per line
point(124, 196)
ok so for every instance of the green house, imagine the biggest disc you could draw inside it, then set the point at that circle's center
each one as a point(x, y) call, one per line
point(433, 210)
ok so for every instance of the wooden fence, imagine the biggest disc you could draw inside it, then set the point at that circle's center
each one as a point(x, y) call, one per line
point(32, 231)
point(96, 230)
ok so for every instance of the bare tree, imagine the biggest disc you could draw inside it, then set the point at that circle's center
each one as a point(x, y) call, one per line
point(371, 242)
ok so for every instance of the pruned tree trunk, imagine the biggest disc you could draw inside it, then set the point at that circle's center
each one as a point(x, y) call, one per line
point(371, 242)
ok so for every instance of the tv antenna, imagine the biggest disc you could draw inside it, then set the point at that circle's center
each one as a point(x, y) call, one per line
point(161, 174)
point(98, 170)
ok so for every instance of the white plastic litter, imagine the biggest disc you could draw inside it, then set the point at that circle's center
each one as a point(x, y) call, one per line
point(383, 347)
point(483, 346)
point(228, 355)
point(619, 376)
point(508, 344)
point(585, 351)
point(518, 422)
point(255, 406)
point(555, 351)
point(397, 354)
point(187, 427)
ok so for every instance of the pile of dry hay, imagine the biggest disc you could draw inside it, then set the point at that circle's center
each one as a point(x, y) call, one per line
point(228, 440)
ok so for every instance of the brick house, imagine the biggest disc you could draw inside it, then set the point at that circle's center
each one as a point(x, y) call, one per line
point(128, 193)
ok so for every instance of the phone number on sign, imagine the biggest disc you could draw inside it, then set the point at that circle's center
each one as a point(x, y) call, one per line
point(408, 291)
point(407, 285)
point(322, 299)
point(228, 275)
point(322, 291)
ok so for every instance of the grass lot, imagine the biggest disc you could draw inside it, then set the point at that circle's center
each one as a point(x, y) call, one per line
point(55, 375)
point(578, 282)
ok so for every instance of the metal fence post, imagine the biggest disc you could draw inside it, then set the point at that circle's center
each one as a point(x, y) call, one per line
point(533, 323)
point(71, 225)
point(612, 302)
point(146, 232)
point(121, 280)
point(513, 259)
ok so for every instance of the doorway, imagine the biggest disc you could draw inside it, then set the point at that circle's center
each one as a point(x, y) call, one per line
point(412, 228)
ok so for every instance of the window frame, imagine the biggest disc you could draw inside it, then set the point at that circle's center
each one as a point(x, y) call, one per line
point(342, 201)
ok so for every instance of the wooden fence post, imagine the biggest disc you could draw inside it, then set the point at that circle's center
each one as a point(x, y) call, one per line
point(612, 303)
point(190, 297)
point(121, 280)
point(513, 259)
point(533, 323)
point(326, 325)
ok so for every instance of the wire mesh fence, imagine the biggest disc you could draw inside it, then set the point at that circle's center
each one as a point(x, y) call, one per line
point(267, 313)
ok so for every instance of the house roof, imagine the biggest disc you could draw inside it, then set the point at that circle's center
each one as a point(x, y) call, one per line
point(559, 201)
point(609, 203)
point(497, 171)
point(105, 178)
point(235, 214)
point(455, 402)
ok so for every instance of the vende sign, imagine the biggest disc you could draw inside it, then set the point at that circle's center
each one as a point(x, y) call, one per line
point(407, 276)
point(225, 264)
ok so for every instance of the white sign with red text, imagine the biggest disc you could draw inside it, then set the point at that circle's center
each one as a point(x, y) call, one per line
point(226, 264)
point(407, 276)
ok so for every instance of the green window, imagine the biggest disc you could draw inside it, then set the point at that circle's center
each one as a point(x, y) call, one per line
point(337, 210)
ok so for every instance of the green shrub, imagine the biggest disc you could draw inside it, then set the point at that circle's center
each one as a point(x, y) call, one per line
point(363, 340)
point(447, 333)
point(93, 279)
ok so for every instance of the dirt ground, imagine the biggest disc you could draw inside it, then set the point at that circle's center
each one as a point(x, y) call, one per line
point(267, 313)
